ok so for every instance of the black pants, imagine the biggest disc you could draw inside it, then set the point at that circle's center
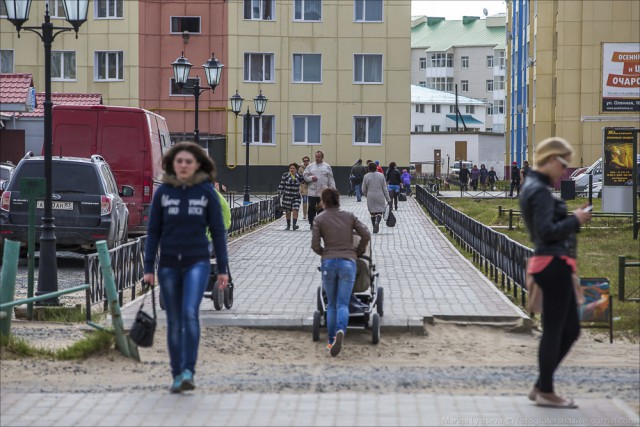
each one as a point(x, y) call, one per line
point(516, 185)
point(561, 325)
point(313, 208)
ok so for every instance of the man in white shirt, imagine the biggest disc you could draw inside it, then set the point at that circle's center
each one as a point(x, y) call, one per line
point(319, 176)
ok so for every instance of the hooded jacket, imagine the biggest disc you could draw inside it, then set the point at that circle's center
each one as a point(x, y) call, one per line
point(180, 214)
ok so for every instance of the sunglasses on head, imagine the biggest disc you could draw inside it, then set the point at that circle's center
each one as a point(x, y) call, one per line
point(563, 162)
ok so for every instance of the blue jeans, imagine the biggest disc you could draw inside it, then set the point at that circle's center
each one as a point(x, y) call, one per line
point(182, 291)
point(338, 275)
point(358, 188)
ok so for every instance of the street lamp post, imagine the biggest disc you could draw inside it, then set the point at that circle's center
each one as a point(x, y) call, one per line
point(76, 15)
point(260, 104)
point(212, 71)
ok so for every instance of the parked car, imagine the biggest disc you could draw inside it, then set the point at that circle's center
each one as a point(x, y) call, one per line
point(582, 180)
point(6, 170)
point(86, 203)
point(577, 172)
point(454, 170)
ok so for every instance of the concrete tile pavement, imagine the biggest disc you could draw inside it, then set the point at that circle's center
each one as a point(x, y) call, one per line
point(328, 409)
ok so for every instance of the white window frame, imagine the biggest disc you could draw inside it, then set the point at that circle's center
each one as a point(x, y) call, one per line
point(464, 84)
point(364, 11)
point(498, 107)
point(171, 31)
point(444, 84)
point(120, 66)
point(435, 128)
point(306, 129)
point(260, 119)
point(13, 61)
point(490, 110)
point(441, 60)
point(470, 109)
point(366, 142)
point(62, 62)
point(498, 83)
point(171, 83)
point(489, 61)
point(361, 57)
point(418, 128)
point(419, 108)
point(261, 11)
point(422, 84)
point(501, 58)
point(452, 109)
point(423, 63)
point(435, 108)
point(302, 5)
point(115, 7)
point(271, 71)
point(3, 15)
point(293, 71)
point(56, 9)
point(489, 85)
point(464, 61)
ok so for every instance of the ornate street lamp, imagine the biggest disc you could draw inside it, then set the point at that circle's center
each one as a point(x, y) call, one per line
point(76, 15)
point(260, 105)
point(212, 71)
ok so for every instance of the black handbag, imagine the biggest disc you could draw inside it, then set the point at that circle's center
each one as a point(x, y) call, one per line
point(144, 327)
point(391, 220)
point(402, 197)
point(278, 212)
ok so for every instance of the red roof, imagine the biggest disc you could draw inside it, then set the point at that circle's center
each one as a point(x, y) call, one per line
point(63, 99)
point(14, 87)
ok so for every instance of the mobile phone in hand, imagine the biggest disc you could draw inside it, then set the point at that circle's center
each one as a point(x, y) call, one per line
point(588, 208)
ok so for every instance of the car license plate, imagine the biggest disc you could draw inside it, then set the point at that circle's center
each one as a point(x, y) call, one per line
point(66, 206)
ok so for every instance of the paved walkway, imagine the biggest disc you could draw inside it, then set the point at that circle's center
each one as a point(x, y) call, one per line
point(423, 276)
point(327, 409)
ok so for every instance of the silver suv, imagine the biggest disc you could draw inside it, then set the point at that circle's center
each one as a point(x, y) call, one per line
point(87, 205)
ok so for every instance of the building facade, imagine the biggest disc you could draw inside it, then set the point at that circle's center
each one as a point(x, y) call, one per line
point(559, 58)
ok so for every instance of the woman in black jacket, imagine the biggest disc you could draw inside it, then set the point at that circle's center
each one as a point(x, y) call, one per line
point(394, 179)
point(553, 264)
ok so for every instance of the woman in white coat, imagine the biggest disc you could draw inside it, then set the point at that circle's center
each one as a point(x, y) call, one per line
point(374, 188)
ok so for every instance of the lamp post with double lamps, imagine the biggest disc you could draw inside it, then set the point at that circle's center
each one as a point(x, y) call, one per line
point(76, 14)
point(260, 104)
point(212, 71)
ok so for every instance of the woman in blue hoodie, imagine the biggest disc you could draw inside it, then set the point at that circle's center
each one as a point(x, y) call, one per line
point(183, 209)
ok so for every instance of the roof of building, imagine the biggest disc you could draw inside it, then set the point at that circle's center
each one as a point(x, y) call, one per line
point(468, 119)
point(63, 99)
point(14, 88)
point(424, 95)
point(439, 35)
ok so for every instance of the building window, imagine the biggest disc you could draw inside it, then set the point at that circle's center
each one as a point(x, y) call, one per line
point(422, 84)
point(258, 67)
point(306, 129)
point(108, 66)
point(465, 85)
point(440, 83)
point(439, 60)
point(498, 83)
point(6, 60)
point(367, 130)
point(498, 107)
point(307, 10)
point(435, 108)
point(501, 60)
point(418, 128)
point(489, 85)
point(190, 24)
point(262, 130)
point(423, 63)
point(56, 9)
point(368, 10)
point(63, 65)
point(367, 68)
point(419, 108)
point(465, 62)
point(490, 110)
point(470, 109)
point(3, 9)
point(489, 61)
point(176, 91)
point(263, 10)
point(488, 130)
point(435, 128)
point(307, 68)
point(452, 109)
point(108, 8)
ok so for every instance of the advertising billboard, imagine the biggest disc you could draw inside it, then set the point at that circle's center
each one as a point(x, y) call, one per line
point(618, 156)
point(620, 77)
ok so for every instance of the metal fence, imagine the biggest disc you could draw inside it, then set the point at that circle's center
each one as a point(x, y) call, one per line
point(503, 259)
point(127, 259)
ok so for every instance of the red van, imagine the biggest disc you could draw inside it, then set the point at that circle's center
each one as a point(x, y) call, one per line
point(131, 140)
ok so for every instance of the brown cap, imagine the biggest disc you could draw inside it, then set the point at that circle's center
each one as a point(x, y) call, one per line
point(550, 147)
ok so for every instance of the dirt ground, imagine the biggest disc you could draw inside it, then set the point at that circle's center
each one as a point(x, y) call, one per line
point(446, 358)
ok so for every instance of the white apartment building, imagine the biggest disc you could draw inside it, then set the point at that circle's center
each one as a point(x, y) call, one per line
point(435, 111)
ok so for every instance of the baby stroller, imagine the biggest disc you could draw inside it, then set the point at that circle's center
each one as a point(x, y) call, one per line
point(366, 305)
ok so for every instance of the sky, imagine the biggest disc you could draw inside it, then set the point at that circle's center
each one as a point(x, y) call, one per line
point(455, 9)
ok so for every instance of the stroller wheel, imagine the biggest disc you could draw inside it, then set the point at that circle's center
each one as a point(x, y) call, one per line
point(228, 296)
point(217, 295)
point(375, 328)
point(319, 304)
point(316, 325)
point(380, 301)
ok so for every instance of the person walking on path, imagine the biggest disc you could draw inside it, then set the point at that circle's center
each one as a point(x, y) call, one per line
point(406, 182)
point(183, 208)
point(524, 171)
point(335, 228)
point(464, 177)
point(492, 177)
point(515, 179)
point(289, 190)
point(374, 188)
point(483, 177)
point(358, 172)
point(475, 176)
point(304, 187)
point(553, 263)
point(394, 180)
point(378, 167)
point(319, 175)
